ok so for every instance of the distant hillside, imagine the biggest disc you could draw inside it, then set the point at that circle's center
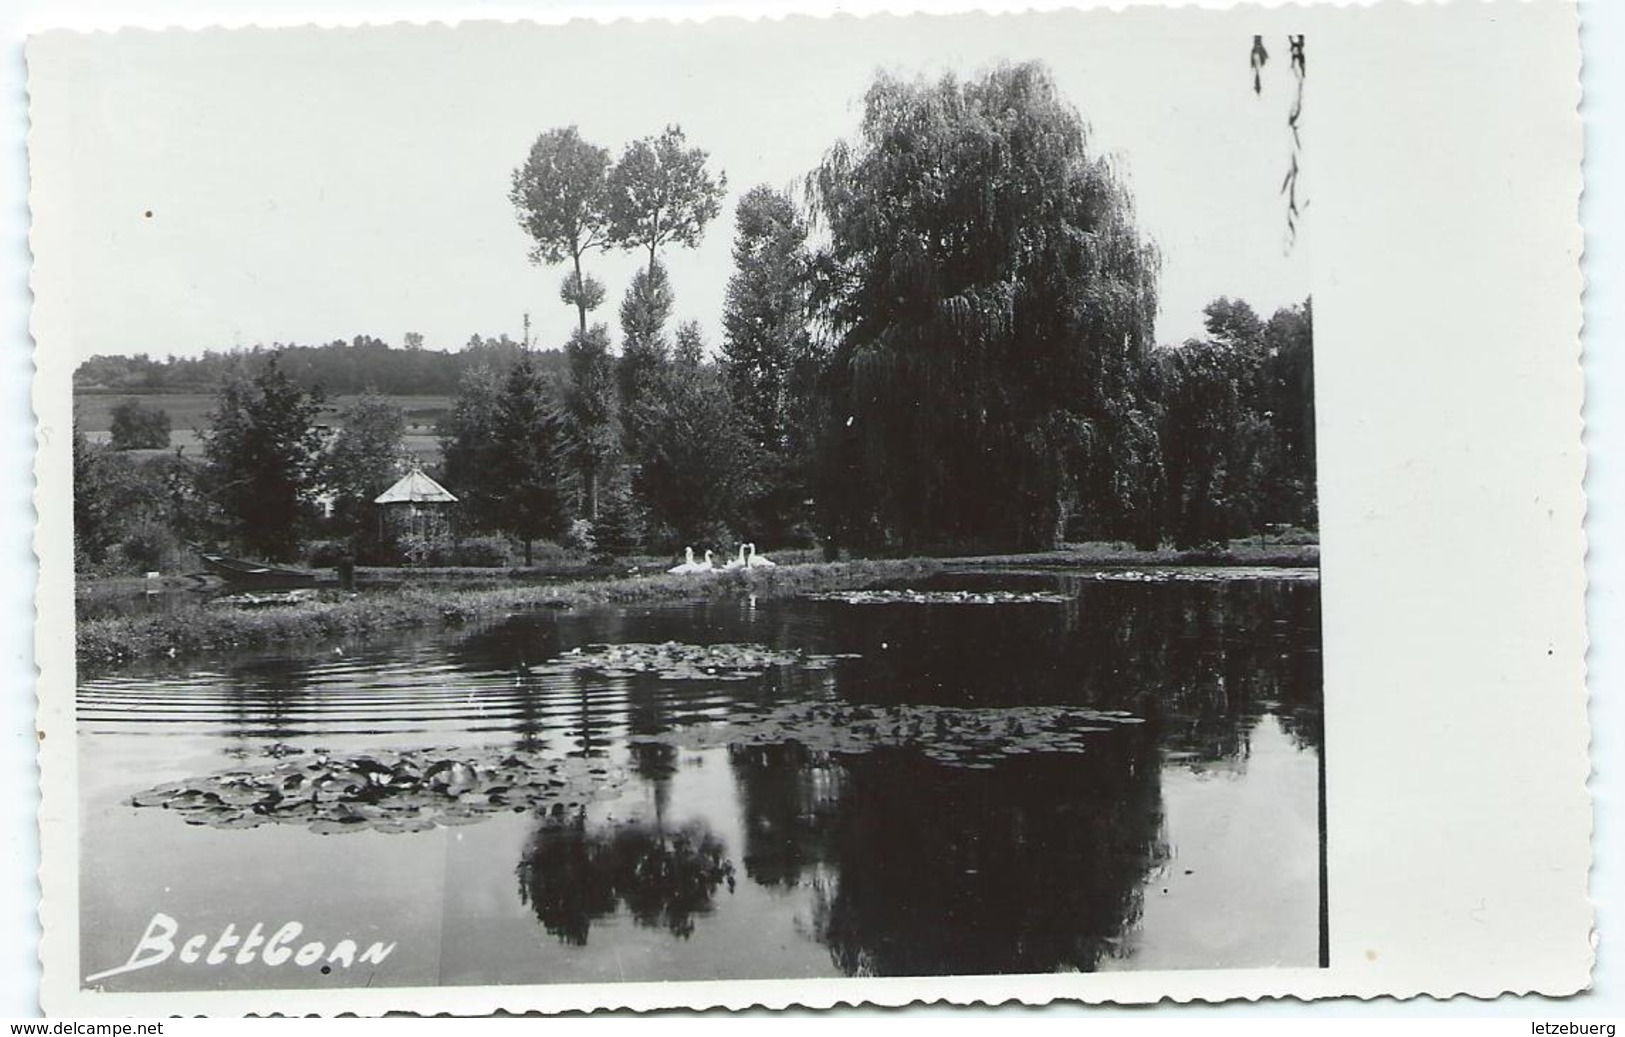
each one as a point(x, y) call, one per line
point(189, 415)
point(340, 368)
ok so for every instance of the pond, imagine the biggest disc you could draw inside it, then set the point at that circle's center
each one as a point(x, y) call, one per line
point(984, 772)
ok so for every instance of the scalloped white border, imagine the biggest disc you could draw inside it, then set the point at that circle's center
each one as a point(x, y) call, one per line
point(1456, 751)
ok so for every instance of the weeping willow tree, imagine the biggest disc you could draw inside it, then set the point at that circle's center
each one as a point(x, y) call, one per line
point(991, 304)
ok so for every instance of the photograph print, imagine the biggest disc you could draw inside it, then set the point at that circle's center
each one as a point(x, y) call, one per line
point(604, 503)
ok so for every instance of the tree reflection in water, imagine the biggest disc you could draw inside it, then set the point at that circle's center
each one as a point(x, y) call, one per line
point(1191, 658)
point(1037, 863)
point(573, 875)
point(792, 799)
point(268, 701)
point(1034, 865)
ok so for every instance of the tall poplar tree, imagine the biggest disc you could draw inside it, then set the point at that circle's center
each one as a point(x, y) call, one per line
point(765, 316)
point(560, 194)
point(645, 351)
point(660, 193)
point(768, 362)
point(589, 410)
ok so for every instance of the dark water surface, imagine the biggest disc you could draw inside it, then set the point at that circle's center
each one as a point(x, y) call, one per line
point(1183, 834)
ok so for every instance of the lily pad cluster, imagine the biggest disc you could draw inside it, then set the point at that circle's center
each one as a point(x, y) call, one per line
point(940, 597)
point(1204, 574)
point(676, 661)
point(264, 599)
point(409, 791)
point(975, 738)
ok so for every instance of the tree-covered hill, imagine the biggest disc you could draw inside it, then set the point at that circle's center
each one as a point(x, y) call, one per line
point(339, 367)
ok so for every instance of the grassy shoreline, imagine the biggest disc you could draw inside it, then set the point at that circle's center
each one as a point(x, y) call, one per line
point(195, 629)
point(1247, 553)
point(106, 643)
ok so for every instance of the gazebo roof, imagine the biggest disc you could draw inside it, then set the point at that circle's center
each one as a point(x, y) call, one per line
point(415, 488)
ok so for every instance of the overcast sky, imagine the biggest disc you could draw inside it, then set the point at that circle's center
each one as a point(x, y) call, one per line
point(306, 185)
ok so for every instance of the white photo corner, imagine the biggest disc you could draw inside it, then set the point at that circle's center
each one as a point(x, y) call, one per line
point(1076, 505)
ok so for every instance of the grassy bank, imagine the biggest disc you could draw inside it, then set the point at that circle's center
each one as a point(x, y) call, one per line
point(1238, 552)
point(429, 599)
point(192, 629)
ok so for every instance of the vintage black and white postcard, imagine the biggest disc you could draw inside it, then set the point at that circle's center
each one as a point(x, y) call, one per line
point(1080, 504)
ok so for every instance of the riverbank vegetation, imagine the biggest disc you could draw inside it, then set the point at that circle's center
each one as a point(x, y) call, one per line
point(941, 345)
point(191, 625)
point(1285, 550)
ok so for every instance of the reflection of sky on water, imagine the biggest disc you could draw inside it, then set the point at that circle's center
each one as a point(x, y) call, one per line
point(1207, 905)
point(1190, 841)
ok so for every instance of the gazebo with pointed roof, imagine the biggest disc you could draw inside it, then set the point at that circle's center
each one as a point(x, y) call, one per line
point(416, 504)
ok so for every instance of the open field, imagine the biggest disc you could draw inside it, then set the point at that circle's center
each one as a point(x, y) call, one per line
point(94, 411)
point(189, 412)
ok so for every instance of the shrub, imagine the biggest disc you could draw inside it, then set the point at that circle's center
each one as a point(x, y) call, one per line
point(150, 547)
point(1295, 536)
point(477, 553)
point(544, 551)
point(139, 427)
point(372, 551)
point(580, 536)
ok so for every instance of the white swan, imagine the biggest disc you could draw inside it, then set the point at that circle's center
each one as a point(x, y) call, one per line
point(759, 562)
point(737, 563)
point(691, 566)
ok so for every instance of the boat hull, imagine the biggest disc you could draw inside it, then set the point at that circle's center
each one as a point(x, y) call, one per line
point(243, 573)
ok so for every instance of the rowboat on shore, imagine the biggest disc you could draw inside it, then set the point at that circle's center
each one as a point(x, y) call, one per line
point(257, 575)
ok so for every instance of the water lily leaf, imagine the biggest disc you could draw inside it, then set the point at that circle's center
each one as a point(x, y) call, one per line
point(239, 821)
point(941, 597)
point(388, 792)
point(958, 737)
point(323, 826)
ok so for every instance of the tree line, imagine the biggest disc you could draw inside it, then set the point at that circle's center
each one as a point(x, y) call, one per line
point(946, 347)
point(340, 367)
